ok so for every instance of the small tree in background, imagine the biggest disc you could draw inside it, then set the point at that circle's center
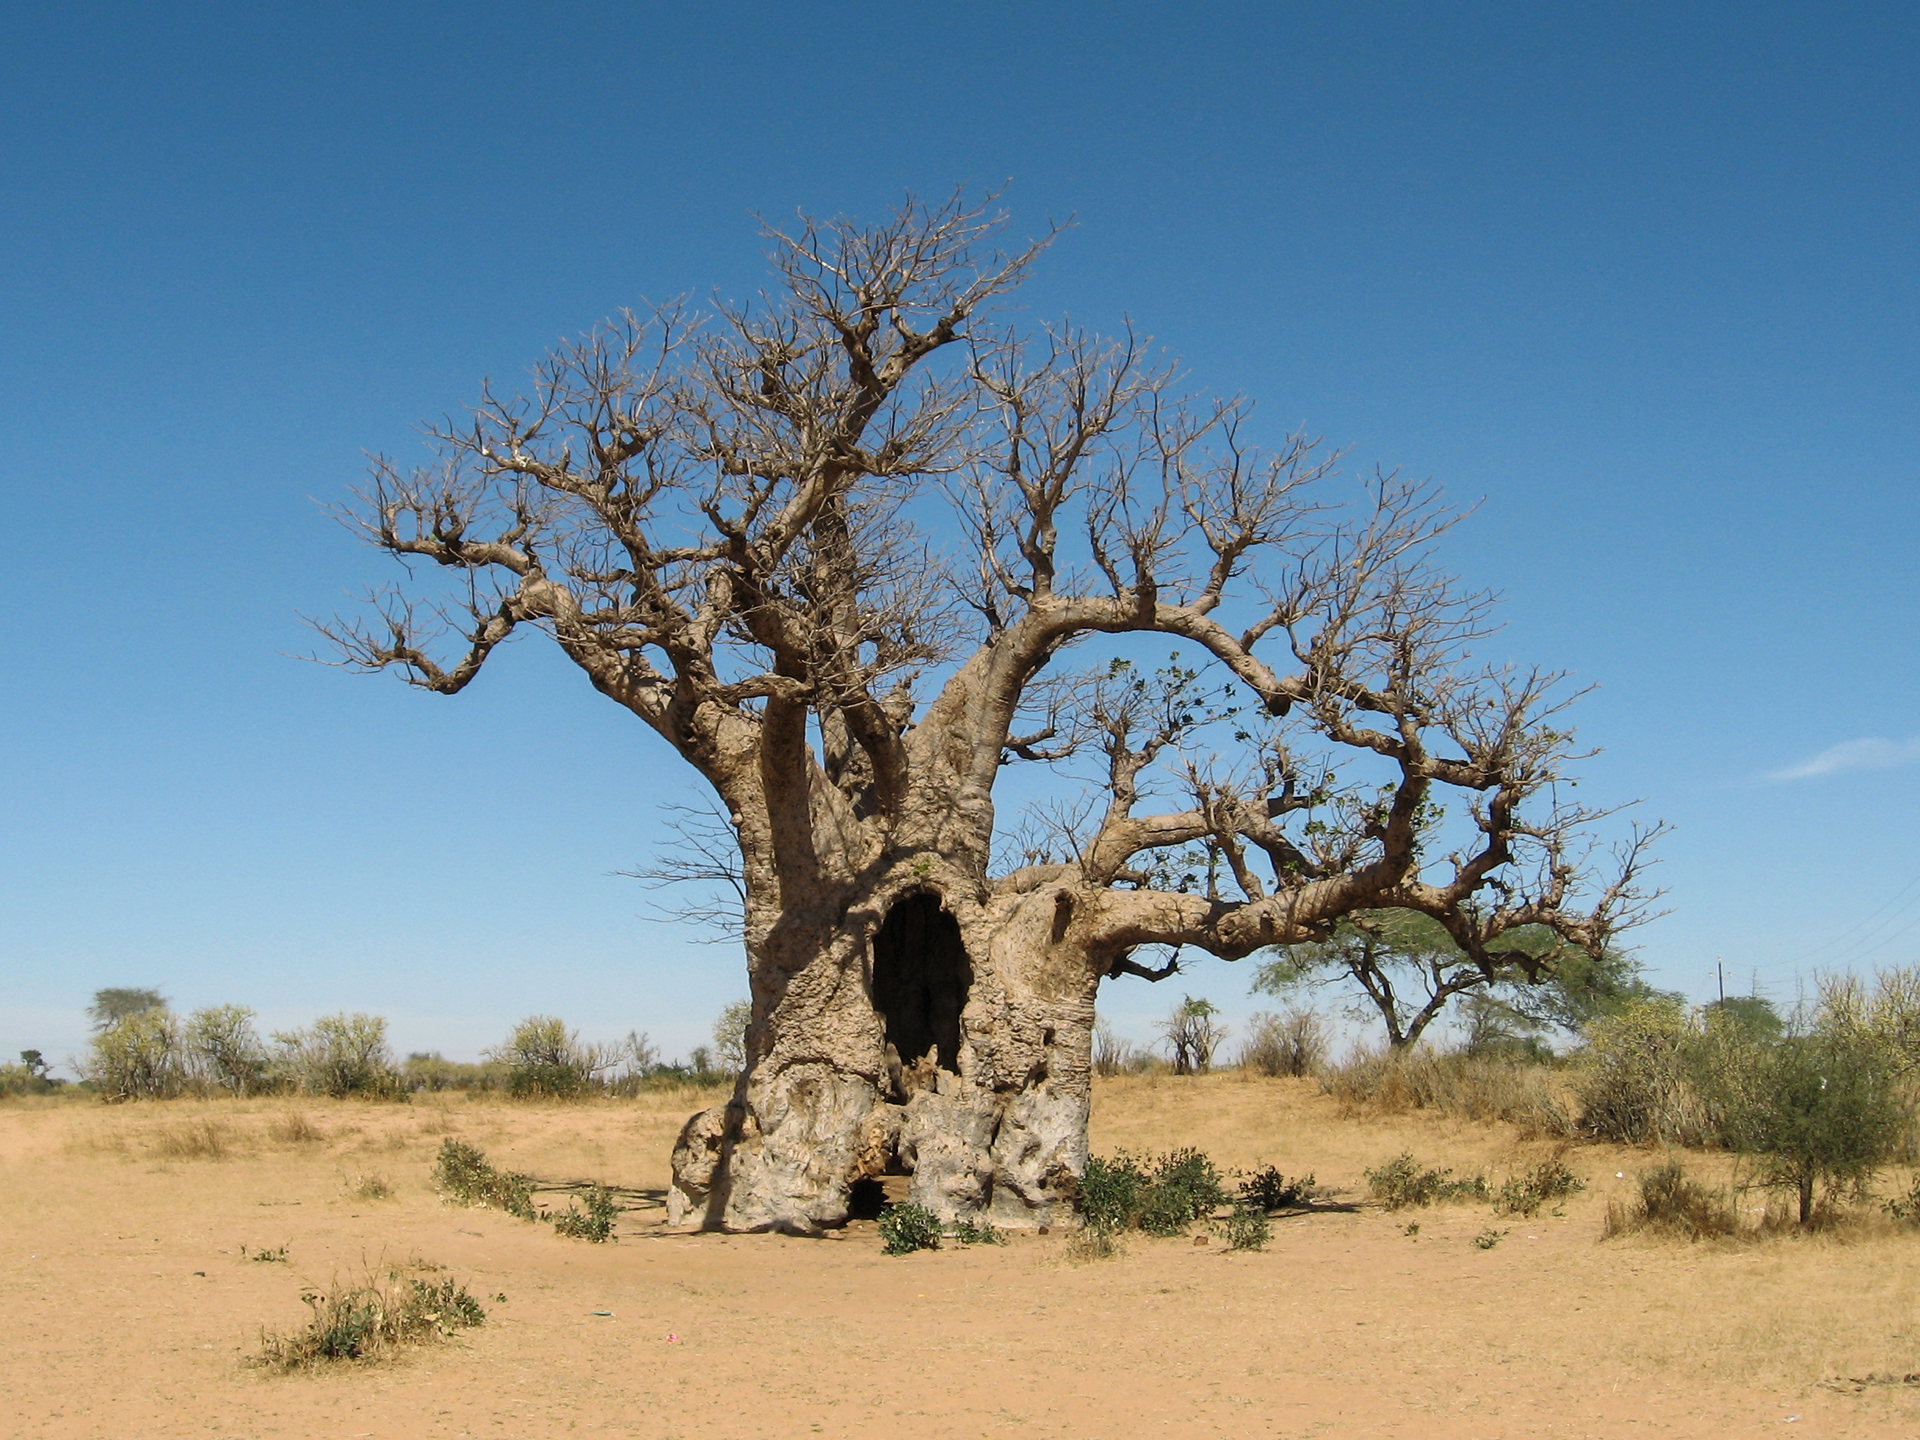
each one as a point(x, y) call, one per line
point(340, 1055)
point(1112, 1053)
point(224, 1051)
point(137, 1057)
point(1193, 1033)
point(544, 1058)
point(730, 1036)
point(116, 1003)
point(1825, 1113)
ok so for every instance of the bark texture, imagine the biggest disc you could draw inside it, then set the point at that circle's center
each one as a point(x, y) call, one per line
point(833, 550)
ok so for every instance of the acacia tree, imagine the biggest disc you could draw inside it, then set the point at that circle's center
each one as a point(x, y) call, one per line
point(739, 530)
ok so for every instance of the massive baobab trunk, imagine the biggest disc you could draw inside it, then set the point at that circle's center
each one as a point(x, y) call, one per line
point(743, 533)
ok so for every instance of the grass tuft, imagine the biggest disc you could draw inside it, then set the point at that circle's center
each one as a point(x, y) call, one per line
point(366, 1320)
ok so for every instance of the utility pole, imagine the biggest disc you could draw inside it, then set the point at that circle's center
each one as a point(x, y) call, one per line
point(1720, 968)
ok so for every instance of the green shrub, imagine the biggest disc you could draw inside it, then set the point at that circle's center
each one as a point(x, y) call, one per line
point(908, 1227)
point(1487, 1239)
point(360, 1322)
point(595, 1223)
point(1110, 1192)
point(1161, 1197)
point(1401, 1183)
point(1634, 1084)
point(1183, 1187)
point(461, 1173)
point(1672, 1203)
point(1823, 1110)
point(1525, 1193)
point(1269, 1190)
point(976, 1232)
point(431, 1071)
point(1248, 1228)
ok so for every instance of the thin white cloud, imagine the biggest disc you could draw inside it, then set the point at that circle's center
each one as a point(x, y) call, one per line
point(1872, 754)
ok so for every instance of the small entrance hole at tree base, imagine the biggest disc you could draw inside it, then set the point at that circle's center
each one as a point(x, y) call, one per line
point(921, 975)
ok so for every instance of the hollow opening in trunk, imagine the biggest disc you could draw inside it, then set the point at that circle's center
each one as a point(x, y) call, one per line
point(921, 976)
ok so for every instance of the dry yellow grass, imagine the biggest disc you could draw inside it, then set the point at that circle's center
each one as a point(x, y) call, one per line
point(133, 1306)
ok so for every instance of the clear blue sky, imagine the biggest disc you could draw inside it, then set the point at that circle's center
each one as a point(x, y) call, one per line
point(1641, 277)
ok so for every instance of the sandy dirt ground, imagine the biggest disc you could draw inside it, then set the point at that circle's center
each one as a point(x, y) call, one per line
point(132, 1310)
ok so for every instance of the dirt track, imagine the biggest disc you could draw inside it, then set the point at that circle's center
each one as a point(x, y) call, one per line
point(133, 1308)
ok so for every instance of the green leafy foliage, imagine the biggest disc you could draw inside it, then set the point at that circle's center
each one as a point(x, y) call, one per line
point(1247, 1228)
point(594, 1223)
point(463, 1174)
point(976, 1232)
point(1268, 1190)
point(908, 1227)
point(1524, 1194)
point(544, 1058)
point(1161, 1197)
point(1401, 1184)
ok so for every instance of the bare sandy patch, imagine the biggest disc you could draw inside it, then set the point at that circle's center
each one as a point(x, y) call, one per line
point(129, 1243)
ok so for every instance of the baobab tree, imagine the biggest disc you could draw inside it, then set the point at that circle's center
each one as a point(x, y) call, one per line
point(835, 548)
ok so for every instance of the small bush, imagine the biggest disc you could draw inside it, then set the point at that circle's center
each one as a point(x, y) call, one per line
point(1161, 1197)
point(1401, 1183)
point(1487, 1239)
point(1524, 1194)
point(1110, 1192)
point(1248, 1228)
point(1092, 1242)
point(976, 1232)
point(432, 1072)
point(1269, 1190)
point(361, 1322)
point(1293, 1043)
point(1671, 1203)
point(1184, 1187)
point(908, 1227)
point(224, 1052)
point(1905, 1209)
point(1633, 1081)
point(595, 1223)
point(277, 1255)
point(462, 1173)
point(371, 1186)
point(203, 1139)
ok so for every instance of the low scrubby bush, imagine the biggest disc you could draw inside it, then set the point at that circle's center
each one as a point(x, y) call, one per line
point(1401, 1183)
point(543, 1058)
point(1524, 1194)
point(908, 1227)
point(463, 1174)
point(1161, 1197)
point(364, 1320)
point(339, 1056)
point(1672, 1203)
point(137, 1057)
point(1247, 1228)
point(594, 1223)
point(976, 1232)
point(1268, 1190)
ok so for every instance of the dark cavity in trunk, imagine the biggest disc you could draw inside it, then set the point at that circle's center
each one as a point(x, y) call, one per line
point(921, 976)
